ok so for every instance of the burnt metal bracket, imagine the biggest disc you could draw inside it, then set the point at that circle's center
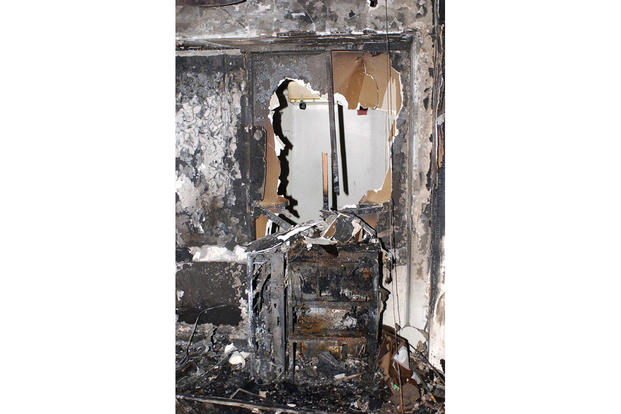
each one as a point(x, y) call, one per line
point(333, 156)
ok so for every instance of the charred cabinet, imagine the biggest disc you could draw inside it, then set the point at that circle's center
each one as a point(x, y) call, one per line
point(309, 300)
point(332, 303)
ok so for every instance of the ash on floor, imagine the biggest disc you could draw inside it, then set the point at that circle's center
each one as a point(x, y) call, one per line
point(212, 377)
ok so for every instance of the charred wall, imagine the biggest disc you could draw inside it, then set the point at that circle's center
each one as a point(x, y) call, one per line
point(210, 160)
point(211, 201)
point(216, 101)
point(271, 18)
point(211, 284)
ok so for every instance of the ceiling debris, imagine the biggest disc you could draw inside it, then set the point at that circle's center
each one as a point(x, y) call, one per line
point(335, 227)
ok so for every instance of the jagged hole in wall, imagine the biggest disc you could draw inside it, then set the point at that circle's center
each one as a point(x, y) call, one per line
point(367, 102)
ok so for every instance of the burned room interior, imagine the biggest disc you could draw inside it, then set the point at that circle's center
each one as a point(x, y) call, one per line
point(310, 206)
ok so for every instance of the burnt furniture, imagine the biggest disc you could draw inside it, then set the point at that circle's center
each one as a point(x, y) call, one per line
point(332, 302)
point(310, 299)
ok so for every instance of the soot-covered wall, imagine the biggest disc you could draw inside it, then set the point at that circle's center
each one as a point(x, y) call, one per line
point(210, 190)
point(210, 194)
point(214, 202)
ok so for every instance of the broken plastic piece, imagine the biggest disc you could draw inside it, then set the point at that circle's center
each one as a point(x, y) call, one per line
point(402, 357)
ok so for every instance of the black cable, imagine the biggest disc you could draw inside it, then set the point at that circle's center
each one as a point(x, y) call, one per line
point(187, 348)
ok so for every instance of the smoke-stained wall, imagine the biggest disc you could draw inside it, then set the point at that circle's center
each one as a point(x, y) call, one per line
point(269, 18)
point(210, 194)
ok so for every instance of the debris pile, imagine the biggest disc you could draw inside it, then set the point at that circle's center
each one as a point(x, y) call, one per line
point(354, 366)
point(417, 387)
point(334, 228)
point(211, 381)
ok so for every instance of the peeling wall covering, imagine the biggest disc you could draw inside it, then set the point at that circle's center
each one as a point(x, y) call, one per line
point(210, 198)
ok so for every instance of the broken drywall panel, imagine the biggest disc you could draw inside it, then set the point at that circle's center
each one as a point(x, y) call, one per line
point(308, 132)
point(295, 231)
point(278, 166)
point(270, 69)
point(398, 305)
point(366, 80)
point(271, 197)
point(367, 152)
point(394, 316)
point(371, 82)
point(271, 18)
point(382, 194)
point(436, 333)
point(210, 193)
point(299, 91)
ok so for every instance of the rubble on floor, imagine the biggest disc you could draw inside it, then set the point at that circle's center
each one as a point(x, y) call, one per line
point(211, 379)
point(346, 362)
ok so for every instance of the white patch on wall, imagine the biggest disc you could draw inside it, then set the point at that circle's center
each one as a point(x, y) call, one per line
point(398, 303)
point(211, 253)
point(179, 294)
